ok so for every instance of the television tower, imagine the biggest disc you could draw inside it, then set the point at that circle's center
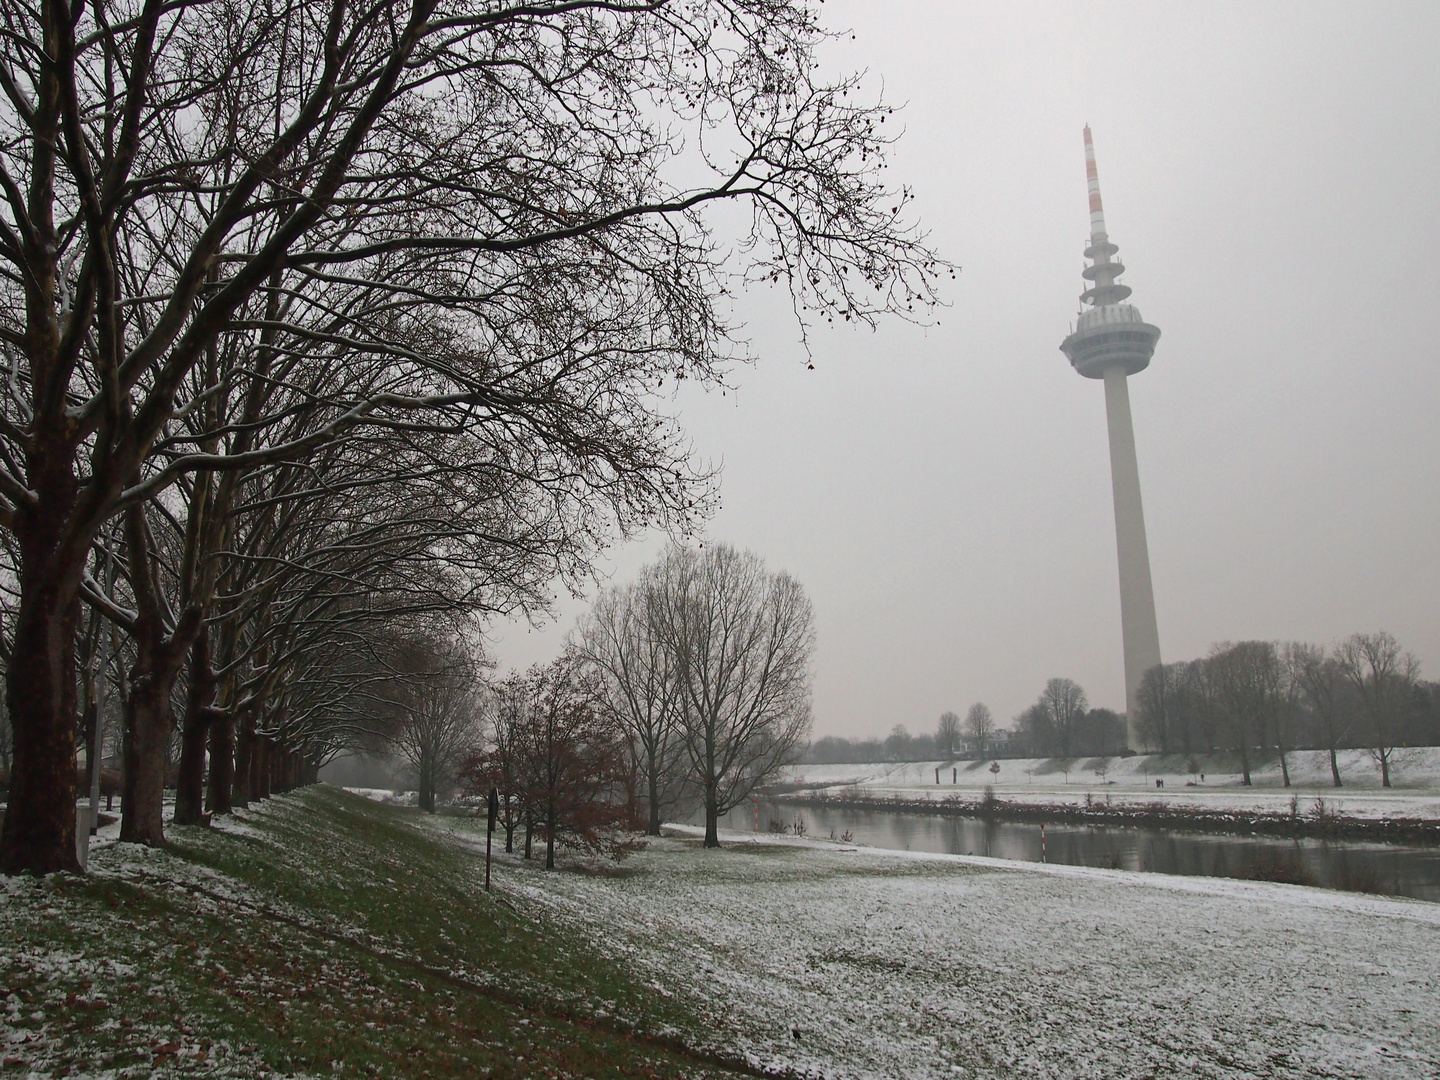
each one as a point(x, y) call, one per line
point(1110, 341)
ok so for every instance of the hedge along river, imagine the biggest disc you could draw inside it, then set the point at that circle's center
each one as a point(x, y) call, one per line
point(1387, 869)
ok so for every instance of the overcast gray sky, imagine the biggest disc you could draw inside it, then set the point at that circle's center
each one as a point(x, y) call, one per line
point(1271, 173)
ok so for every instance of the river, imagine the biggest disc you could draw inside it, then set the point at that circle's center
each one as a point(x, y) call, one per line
point(1388, 869)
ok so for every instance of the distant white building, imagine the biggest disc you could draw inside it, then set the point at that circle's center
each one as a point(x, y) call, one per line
point(997, 743)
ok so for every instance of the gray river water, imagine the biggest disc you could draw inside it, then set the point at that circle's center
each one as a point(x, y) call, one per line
point(1389, 869)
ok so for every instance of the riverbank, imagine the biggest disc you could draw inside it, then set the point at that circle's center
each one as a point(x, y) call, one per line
point(1313, 818)
point(821, 959)
point(1214, 785)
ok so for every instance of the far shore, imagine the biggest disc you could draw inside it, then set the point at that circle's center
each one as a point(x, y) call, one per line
point(1308, 818)
point(1201, 792)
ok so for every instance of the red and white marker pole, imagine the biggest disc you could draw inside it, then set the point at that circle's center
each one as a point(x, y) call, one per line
point(1042, 841)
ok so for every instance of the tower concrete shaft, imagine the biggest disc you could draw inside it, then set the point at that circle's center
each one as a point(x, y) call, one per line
point(1138, 630)
point(1110, 341)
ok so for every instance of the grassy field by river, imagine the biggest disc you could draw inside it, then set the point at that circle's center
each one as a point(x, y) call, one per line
point(322, 934)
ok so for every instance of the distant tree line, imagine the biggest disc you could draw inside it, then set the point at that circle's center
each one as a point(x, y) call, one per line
point(1059, 724)
point(1264, 696)
point(1248, 697)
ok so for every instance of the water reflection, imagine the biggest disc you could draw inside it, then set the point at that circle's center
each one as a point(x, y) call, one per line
point(1391, 869)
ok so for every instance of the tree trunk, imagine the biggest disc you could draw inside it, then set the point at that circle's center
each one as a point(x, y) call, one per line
point(152, 679)
point(260, 768)
point(529, 831)
point(142, 798)
point(222, 766)
point(190, 788)
point(242, 791)
point(652, 828)
point(712, 819)
point(39, 830)
point(1334, 766)
point(1245, 762)
point(426, 783)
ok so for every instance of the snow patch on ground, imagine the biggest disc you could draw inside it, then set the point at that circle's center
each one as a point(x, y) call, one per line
point(852, 962)
point(386, 795)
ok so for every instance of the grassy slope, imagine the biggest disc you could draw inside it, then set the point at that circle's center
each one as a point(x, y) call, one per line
point(825, 960)
point(318, 934)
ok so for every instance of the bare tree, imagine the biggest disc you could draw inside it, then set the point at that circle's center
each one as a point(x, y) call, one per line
point(979, 726)
point(1032, 727)
point(434, 696)
point(1383, 675)
point(1194, 707)
point(1322, 680)
point(1064, 704)
point(438, 184)
point(501, 763)
point(898, 743)
point(639, 689)
point(569, 764)
point(740, 638)
point(1156, 699)
point(947, 735)
point(1245, 679)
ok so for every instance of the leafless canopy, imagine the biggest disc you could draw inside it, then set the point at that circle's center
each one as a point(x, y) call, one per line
point(1383, 675)
point(979, 726)
point(640, 689)
point(740, 638)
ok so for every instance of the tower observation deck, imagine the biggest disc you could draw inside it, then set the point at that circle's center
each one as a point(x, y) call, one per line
point(1110, 341)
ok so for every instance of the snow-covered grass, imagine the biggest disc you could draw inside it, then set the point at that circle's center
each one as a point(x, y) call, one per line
point(316, 934)
point(386, 795)
point(827, 960)
point(1132, 781)
point(326, 934)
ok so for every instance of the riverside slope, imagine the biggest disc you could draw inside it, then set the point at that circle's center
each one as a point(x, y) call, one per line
point(824, 960)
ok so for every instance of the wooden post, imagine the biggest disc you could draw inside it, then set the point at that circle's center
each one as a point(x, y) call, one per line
point(494, 812)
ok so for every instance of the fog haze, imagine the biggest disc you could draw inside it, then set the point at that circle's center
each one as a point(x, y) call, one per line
point(1270, 175)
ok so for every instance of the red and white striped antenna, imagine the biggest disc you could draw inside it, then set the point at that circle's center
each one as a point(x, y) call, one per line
point(1092, 179)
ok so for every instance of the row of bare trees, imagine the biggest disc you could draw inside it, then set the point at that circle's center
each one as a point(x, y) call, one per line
point(327, 323)
point(1262, 695)
point(954, 737)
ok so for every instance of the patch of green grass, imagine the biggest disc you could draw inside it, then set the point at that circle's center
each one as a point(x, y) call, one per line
point(328, 935)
